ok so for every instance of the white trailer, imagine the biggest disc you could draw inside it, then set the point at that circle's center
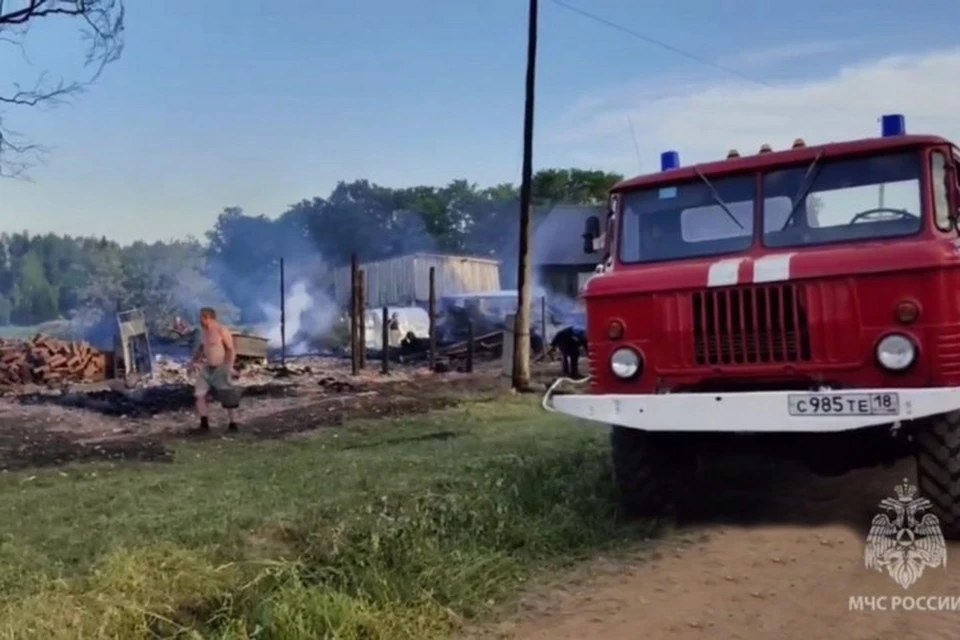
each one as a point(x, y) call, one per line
point(405, 280)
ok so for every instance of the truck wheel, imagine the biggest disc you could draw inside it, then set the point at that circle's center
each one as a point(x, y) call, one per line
point(653, 476)
point(938, 469)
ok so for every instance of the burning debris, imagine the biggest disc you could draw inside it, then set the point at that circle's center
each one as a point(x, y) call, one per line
point(182, 336)
point(47, 361)
point(489, 344)
point(254, 375)
point(169, 389)
point(145, 401)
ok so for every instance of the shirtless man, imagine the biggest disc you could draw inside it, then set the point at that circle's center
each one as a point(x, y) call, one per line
point(213, 361)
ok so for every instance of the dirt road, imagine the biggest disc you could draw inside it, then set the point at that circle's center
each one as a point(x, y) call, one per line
point(785, 568)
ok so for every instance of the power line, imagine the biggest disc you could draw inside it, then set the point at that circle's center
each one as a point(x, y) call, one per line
point(660, 43)
point(844, 109)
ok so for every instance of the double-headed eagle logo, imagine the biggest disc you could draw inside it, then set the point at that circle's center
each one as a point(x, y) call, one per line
point(904, 540)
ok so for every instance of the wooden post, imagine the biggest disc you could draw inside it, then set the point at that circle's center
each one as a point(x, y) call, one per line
point(521, 354)
point(354, 356)
point(521, 337)
point(506, 351)
point(283, 318)
point(543, 323)
point(385, 341)
point(362, 318)
point(470, 346)
point(432, 314)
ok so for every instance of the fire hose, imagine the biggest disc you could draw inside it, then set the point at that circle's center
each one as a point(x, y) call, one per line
point(553, 387)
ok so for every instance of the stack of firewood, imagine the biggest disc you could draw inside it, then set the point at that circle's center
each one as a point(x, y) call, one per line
point(46, 360)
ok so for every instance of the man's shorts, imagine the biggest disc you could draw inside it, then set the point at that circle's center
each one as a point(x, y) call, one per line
point(201, 388)
point(208, 378)
point(218, 384)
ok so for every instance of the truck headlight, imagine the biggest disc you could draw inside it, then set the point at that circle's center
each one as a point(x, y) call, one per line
point(625, 363)
point(896, 352)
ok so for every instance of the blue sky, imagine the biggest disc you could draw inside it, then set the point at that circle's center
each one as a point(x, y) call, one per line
point(260, 104)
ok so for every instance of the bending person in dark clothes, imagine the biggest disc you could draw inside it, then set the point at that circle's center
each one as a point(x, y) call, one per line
point(568, 342)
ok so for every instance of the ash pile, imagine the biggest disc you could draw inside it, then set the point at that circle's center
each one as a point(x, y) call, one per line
point(144, 401)
point(168, 389)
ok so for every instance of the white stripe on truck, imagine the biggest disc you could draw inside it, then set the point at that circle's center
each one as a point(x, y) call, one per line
point(724, 273)
point(775, 268)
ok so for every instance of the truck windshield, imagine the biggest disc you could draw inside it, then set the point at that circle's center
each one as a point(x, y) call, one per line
point(843, 201)
point(686, 221)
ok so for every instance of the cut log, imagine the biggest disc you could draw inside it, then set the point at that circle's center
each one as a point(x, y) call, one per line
point(45, 360)
point(58, 361)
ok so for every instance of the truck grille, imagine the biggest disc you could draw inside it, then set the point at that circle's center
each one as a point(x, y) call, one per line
point(751, 325)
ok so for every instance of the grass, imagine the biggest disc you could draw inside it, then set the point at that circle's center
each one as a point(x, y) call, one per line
point(386, 530)
point(56, 328)
point(17, 332)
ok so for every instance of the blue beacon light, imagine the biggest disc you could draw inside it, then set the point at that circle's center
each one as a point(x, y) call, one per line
point(892, 125)
point(669, 160)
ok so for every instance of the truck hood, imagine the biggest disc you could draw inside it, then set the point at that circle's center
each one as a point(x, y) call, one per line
point(807, 263)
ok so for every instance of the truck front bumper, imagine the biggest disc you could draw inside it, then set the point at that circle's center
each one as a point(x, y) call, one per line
point(758, 412)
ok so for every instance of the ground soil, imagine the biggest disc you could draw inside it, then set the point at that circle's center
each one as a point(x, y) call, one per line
point(779, 557)
point(45, 429)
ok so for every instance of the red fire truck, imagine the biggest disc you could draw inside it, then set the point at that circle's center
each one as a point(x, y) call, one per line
point(805, 302)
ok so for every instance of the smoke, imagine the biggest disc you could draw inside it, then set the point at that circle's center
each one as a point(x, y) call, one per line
point(245, 257)
point(556, 254)
point(309, 317)
point(567, 311)
point(237, 270)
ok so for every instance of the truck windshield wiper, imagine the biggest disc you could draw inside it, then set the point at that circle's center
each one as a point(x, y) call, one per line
point(805, 185)
point(717, 198)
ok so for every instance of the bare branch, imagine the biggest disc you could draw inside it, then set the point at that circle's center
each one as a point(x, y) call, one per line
point(17, 155)
point(101, 25)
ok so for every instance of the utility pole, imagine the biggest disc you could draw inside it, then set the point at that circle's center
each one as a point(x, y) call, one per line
point(283, 317)
point(521, 345)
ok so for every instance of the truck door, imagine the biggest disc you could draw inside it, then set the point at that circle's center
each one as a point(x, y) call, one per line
point(943, 181)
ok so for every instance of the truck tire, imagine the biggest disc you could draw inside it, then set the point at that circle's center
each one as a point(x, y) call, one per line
point(938, 469)
point(653, 476)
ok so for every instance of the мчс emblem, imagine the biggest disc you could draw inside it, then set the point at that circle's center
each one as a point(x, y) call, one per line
point(904, 540)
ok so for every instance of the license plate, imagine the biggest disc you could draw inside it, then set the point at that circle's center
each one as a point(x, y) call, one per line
point(843, 404)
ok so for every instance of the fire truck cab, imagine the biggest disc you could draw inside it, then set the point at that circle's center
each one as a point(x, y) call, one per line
point(805, 302)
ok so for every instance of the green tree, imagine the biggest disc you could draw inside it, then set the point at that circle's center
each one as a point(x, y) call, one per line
point(167, 280)
point(43, 277)
point(37, 299)
point(573, 186)
point(102, 288)
point(243, 257)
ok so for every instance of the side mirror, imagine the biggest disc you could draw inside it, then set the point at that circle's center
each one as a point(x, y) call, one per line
point(592, 226)
point(591, 231)
point(954, 177)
